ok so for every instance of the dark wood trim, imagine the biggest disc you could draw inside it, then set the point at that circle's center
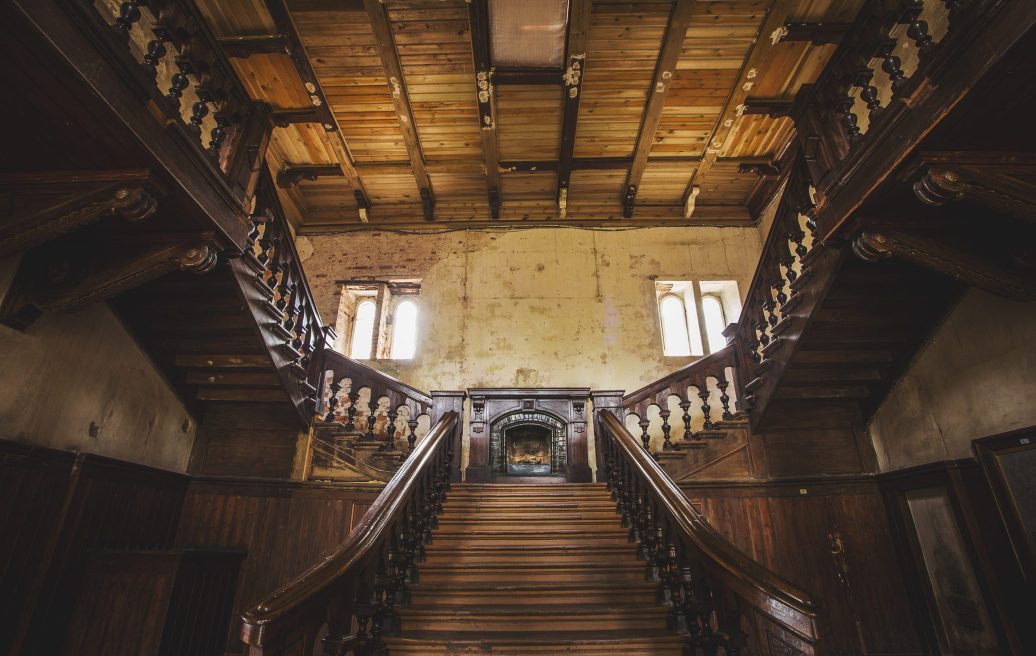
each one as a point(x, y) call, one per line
point(818, 33)
point(776, 16)
point(245, 46)
point(665, 69)
point(286, 26)
point(401, 101)
point(526, 75)
point(575, 71)
point(478, 25)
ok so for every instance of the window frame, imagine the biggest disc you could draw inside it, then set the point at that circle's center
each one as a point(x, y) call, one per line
point(686, 326)
point(355, 326)
point(718, 300)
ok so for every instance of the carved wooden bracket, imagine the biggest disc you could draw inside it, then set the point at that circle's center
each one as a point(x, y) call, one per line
point(73, 283)
point(762, 168)
point(767, 107)
point(39, 207)
point(818, 34)
point(960, 263)
point(291, 176)
point(997, 180)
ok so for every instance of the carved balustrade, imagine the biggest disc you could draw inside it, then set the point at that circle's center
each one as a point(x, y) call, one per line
point(715, 593)
point(706, 398)
point(166, 53)
point(380, 408)
point(347, 602)
point(853, 122)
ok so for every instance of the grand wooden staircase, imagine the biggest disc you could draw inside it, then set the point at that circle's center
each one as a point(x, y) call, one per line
point(532, 569)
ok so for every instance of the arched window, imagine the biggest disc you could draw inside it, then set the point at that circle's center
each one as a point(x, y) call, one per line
point(363, 330)
point(715, 321)
point(404, 331)
point(675, 337)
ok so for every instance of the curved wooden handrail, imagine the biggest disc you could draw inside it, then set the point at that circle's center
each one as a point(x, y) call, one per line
point(343, 365)
point(773, 598)
point(708, 366)
point(328, 588)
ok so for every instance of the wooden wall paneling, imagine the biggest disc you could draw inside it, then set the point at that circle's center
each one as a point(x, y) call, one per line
point(103, 503)
point(246, 439)
point(33, 489)
point(789, 527)
point(285, 527)
point(153, 602)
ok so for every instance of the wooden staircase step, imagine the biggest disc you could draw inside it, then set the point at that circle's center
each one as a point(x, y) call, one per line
point(514, 574)
point(511, 617)
point(540, 643)
point(533, 593)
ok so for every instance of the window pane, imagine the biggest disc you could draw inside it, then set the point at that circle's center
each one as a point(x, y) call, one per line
point(363, 331)
point(404, 331)
point(715, 322)
point(674, 327)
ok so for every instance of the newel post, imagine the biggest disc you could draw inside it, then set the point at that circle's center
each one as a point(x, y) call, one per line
point(443, 402)
point(610, 400)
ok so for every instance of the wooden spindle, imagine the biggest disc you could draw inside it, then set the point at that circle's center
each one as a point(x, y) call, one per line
point(645, 437)
point(664, 413)
point(891, 64)
point(703, 394)
point(179, 82)
point(332, 401)
point(129, 14)
point(372, 417)
point(390, 430)
point(156, 50)
point(218, 135)
point(354, 398)
point(411, 438)
point(724, 398)
point(685, 405)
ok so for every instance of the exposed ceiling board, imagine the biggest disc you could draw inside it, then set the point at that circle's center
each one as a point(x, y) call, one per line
point(528, 33)
point(437, 55)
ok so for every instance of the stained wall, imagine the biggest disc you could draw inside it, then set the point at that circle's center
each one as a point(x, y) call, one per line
point(78, 381)
point(976, 377)
point(538, 307)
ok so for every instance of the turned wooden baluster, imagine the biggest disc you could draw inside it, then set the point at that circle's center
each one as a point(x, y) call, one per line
point(673, 578)
point(179, 82)
point(703, 394)
point(156, 50)
point(129, 14)
point(636, 532)
point(664, 413)
point(771, 308)
point(724, 398)
point(733, 639)
point(869, 92)
point(685, 405)
point(787, 260)
point(390, 430)
point(411, 438)
point(332, 400)
point(372, 417)
point(644, 424)
point(390, 582)
point(354, 397)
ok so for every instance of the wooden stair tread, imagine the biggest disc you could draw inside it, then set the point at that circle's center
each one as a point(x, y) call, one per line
point(602, 636)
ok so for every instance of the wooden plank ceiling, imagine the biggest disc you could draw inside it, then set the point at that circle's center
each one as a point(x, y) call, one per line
point(392, 114)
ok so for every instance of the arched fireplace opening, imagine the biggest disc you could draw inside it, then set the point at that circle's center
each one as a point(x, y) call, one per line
point(528, 449)
point(528, 444)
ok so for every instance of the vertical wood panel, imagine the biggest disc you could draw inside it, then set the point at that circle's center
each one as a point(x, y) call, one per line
point(789, 532)
point(285, 528)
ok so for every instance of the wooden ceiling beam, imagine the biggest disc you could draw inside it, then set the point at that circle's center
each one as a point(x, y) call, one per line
point(478, 25)
point(243, 47)
point(291, 176)
point(282, 118)
point(665, 68)
point(522, 75)
point(336, 140)
point(575, 71)
point(818, 34)
point(760, 53)
point(401, 102)
point(771, 107)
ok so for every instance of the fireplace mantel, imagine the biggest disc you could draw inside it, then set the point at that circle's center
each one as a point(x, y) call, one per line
point(565, 404)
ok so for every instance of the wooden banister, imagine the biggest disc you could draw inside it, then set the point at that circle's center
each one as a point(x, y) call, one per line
point(361, 579)
point(717, 593)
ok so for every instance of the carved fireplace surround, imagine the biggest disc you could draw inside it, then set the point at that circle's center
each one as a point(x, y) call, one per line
point(505, 426)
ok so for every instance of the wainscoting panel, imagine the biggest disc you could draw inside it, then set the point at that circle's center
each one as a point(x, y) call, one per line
point(285, 527)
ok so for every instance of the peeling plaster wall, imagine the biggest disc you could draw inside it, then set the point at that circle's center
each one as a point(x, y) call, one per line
point(977, 377)
point(70, 371)
point(538, 307)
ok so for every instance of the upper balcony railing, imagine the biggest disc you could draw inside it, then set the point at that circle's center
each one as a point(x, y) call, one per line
point(167, 80)
point(898, 70)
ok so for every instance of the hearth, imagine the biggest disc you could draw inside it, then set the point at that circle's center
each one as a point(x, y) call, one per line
point(528, 450)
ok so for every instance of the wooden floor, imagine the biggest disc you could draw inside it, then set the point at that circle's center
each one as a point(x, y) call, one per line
point(532, 569)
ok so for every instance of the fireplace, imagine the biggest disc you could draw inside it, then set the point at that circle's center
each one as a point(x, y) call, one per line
point(527, 448)
point(525, 435)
